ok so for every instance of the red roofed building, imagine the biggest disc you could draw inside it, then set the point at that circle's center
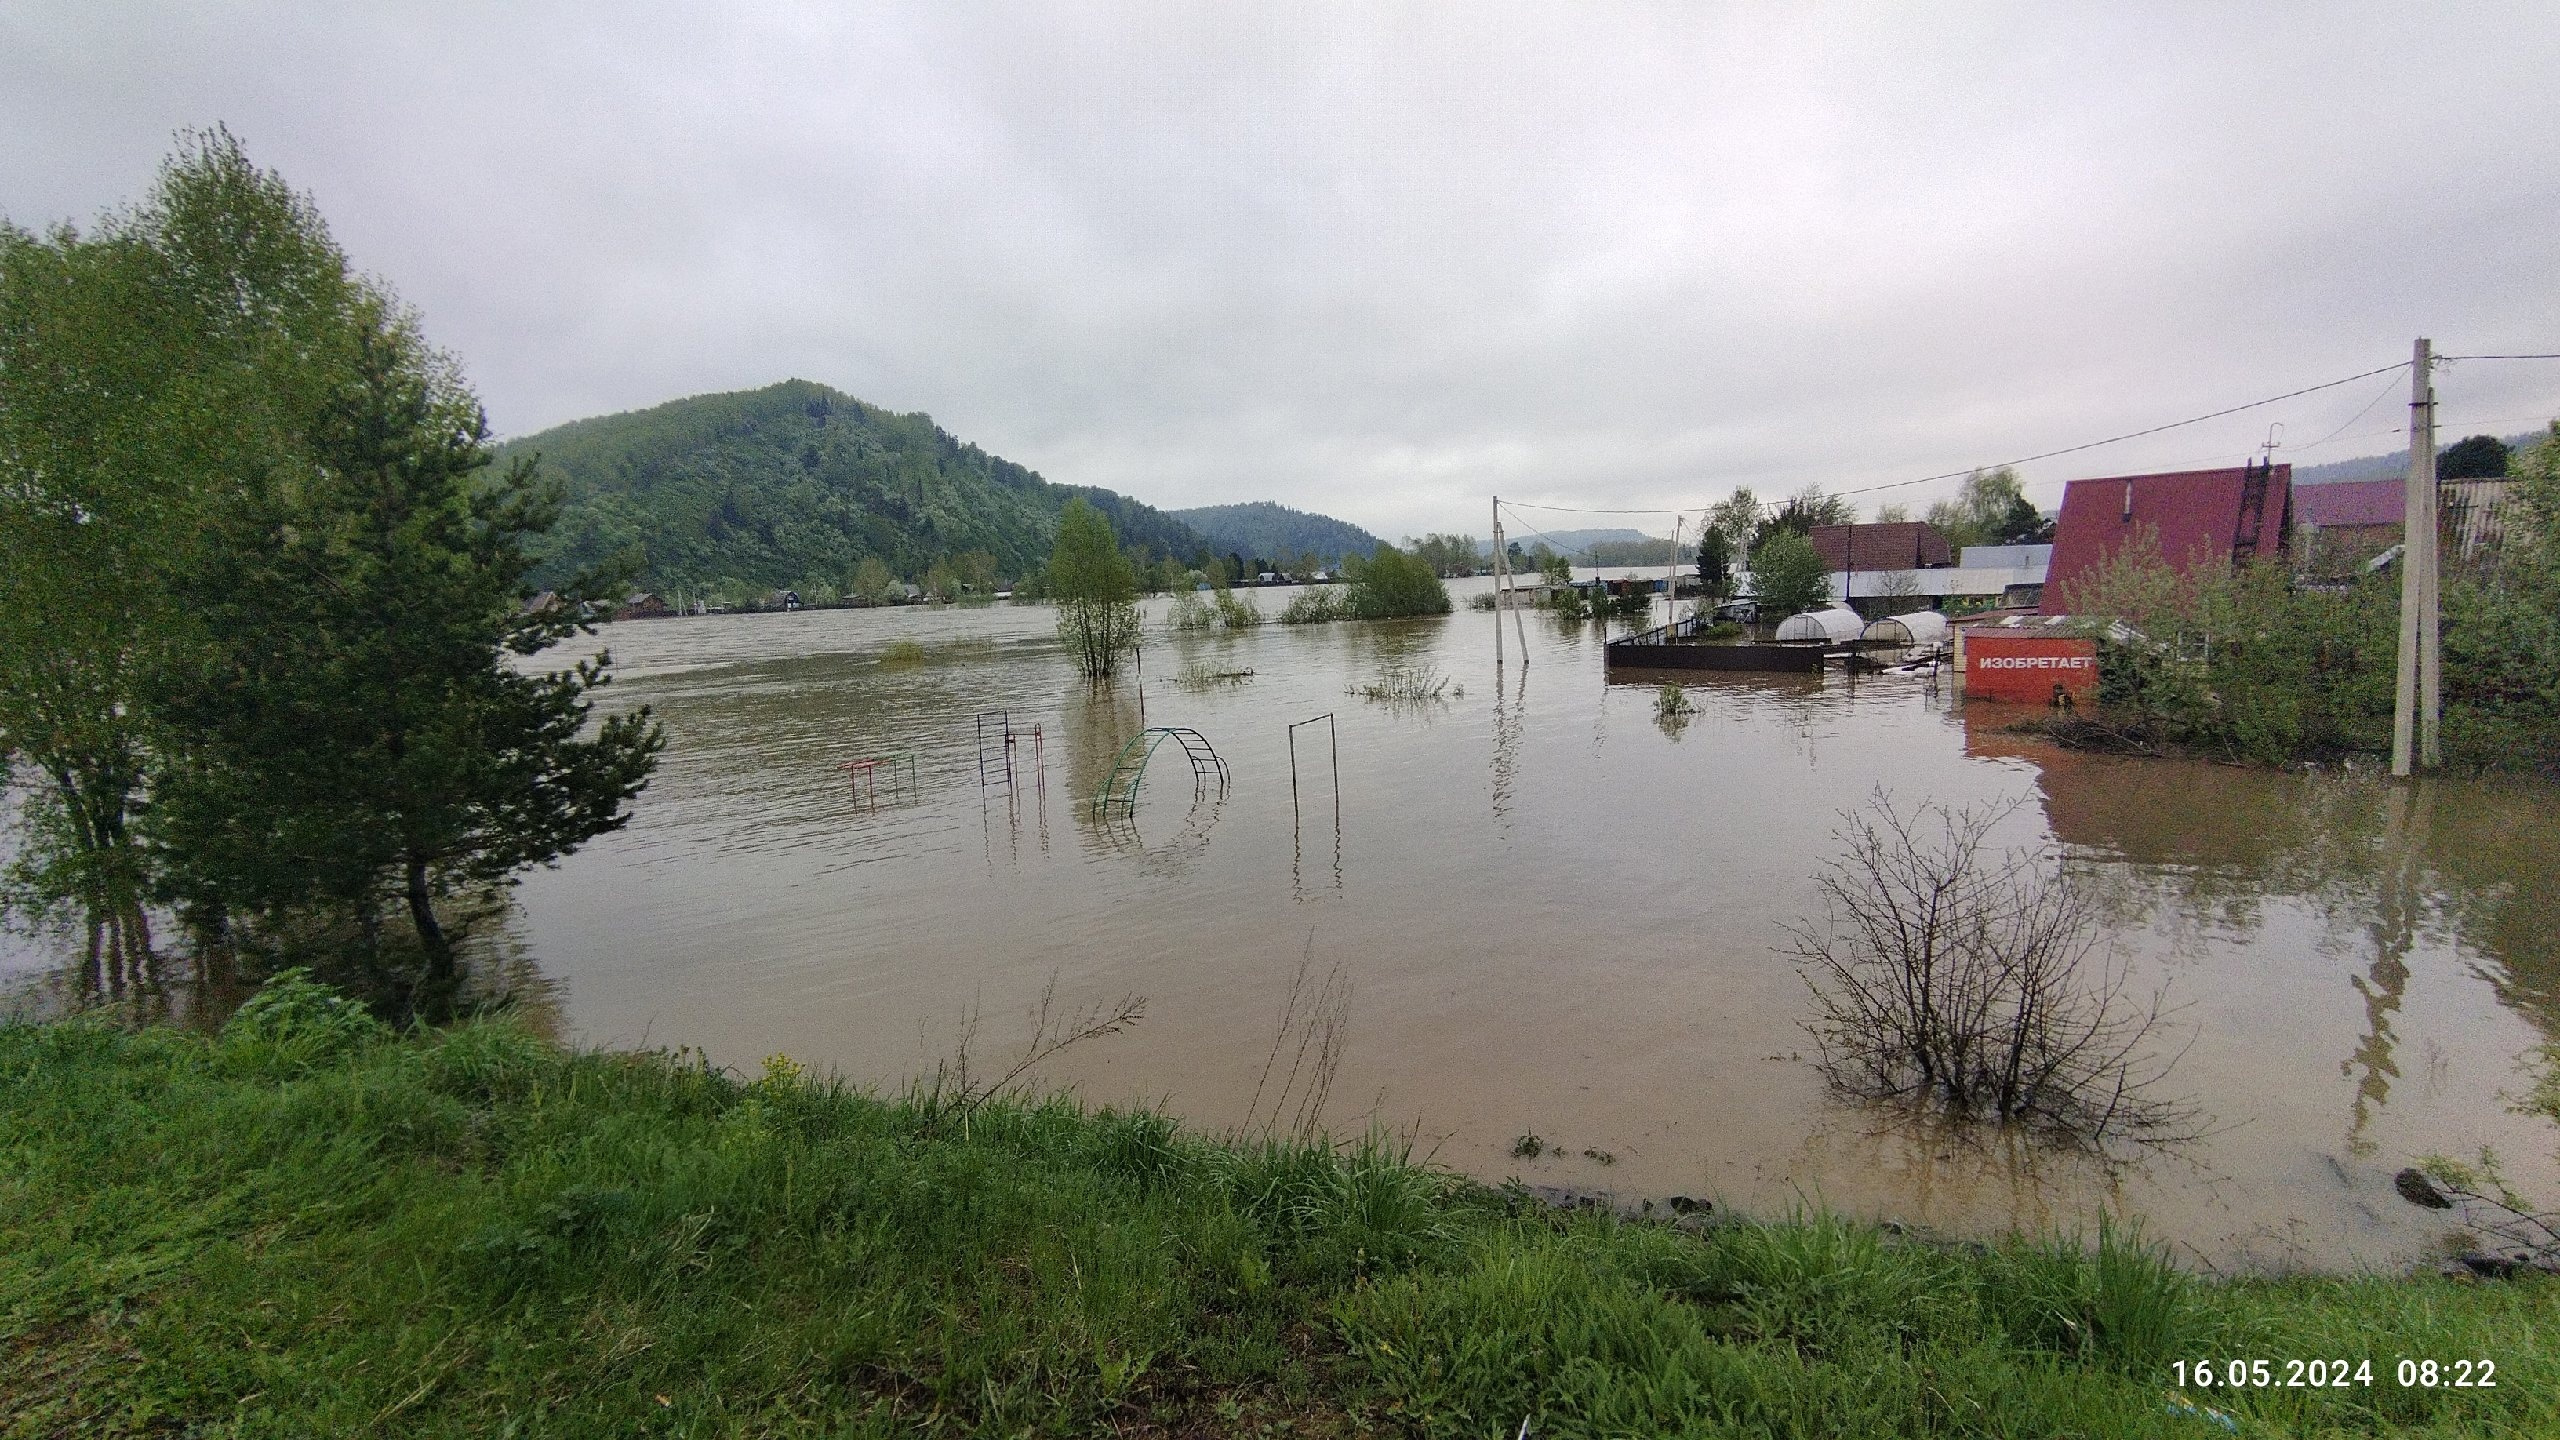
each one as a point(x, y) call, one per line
point(1889, 545)
point(2337, 528)
point(2199, 517)
point(2354, 504)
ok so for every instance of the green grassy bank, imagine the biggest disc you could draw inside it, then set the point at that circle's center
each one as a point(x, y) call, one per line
point(312, 1227)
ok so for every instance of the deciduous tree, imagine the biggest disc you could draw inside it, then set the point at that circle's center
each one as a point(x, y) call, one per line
point(1787, 575)
point(1096, 594)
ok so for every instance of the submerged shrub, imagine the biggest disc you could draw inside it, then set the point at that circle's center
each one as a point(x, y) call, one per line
point(1970, 980)
point(1237, 612)
point(1315, 607)
point(1189, 612)
point(1404, 685)
point(1393, 585)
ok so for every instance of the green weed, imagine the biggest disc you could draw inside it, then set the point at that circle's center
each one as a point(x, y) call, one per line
point(309, 1225)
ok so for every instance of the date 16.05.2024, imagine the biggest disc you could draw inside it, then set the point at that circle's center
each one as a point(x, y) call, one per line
point(2334, 1374)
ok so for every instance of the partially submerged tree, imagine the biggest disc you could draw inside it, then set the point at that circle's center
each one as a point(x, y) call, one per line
point(341, 720)
point(1715, 566)
point(147, 371)
point(1788, 576)
point(1953, 975)
point(251, 573)
point(1096, 594)
point(1391, 584)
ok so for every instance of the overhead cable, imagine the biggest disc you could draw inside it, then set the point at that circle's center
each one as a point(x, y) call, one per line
point(2065, 450)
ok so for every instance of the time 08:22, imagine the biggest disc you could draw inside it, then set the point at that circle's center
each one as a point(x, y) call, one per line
point(2334, 1374)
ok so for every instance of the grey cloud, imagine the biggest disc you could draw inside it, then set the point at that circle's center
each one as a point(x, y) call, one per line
point(1380, 261)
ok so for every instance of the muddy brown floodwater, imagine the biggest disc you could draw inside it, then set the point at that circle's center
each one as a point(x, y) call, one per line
point(1557, 917)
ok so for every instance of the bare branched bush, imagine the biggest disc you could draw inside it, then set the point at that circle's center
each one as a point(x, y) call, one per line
point(1974, 980)
point(1314, 1026)
point(960, 1088)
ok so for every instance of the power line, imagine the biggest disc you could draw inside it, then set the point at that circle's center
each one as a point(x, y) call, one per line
point(2387, 387)
point(2067, 449)
point(1583, 550)
point(2498, 357)
point(2132, 434)
point(1584, 510)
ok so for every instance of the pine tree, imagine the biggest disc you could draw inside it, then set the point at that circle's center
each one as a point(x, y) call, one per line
point(340, 724)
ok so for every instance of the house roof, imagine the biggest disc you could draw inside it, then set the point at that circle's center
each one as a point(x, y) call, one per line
point(1891, 545)
point(2353, 502)
point(2196, 515)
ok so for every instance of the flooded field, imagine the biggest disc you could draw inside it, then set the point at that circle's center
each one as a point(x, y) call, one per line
point(1556, 915)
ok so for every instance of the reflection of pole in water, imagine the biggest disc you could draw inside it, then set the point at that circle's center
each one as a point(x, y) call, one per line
point(1333, 741)
point(1506, 743)
point(2395, 931)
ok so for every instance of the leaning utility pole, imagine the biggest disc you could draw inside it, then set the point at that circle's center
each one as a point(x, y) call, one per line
point(2418, 691)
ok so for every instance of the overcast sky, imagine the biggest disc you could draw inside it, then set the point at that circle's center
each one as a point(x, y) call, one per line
point(1385, 261)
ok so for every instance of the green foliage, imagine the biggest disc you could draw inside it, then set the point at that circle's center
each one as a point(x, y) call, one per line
point(453, 1233)
point(1317, 606)
point(1788, 576)
point(1991, 509)
point(796, 481)
point(1715, 566)
point(1805, 509)
point(2476, 457)
point(1651, 550)
point(1736, 518)
point(1442, 555)
point(874, 581)
point(291, 595)
point(1095, 591)
point(295, 1023)
point(1404, 685)
point(2250, 665)
point(2502, 629)
point(1392, 585)
point(1236, 612)
point(1290, 536)
point(315, 755)
point(146, 369)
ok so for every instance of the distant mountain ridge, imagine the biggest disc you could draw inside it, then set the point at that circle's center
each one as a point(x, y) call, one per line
point(794, 485)
point(2387, 467)
point(1568, 543)
point(1276, 532)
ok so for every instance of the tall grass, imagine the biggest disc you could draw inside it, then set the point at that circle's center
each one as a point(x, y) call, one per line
point(314, 1226)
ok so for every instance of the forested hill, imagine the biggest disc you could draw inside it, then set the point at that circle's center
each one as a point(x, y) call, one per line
point(1277, 532)
point(796, 484)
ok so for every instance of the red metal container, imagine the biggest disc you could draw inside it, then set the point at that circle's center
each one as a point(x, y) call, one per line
point(2029, 669)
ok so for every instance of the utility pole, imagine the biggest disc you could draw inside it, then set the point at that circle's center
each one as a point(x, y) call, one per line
point(2418, 691)
point(1519, 626)
point(1497, 583)
point(1671, 578)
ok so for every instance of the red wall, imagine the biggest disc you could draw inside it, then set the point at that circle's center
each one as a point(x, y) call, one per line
point(2025, 668)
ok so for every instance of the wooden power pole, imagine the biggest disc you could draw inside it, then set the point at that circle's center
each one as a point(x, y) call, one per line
point(2418, 691)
